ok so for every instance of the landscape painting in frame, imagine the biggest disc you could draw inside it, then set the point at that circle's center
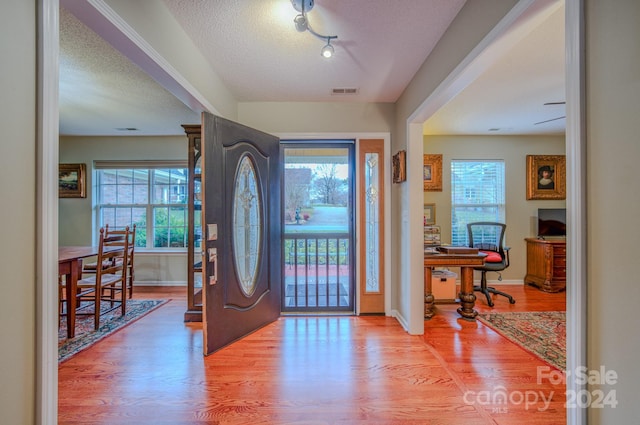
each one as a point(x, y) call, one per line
point(71, 181)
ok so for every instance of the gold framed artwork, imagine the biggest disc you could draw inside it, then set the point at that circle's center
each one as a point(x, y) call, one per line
point(399, 167)
point(432, 173)
point(429, 216)
point(72, 181)
point(546, 177)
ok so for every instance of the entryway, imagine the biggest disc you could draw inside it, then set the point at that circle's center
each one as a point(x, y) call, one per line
point(318, 259)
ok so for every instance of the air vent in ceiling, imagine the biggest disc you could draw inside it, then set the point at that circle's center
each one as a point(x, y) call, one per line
point(344, 91)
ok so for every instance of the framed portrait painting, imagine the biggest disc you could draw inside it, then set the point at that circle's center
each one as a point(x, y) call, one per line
point(432, 173)
point(72, 181)
point(546, 177)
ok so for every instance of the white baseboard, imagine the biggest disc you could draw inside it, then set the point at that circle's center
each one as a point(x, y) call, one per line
point(403, 322)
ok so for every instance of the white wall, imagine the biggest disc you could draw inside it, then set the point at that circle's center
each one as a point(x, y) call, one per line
point(317, 117)
point(18, 188)
point(474, 21)
point(77, 216)
point(521, 213)
point(613, 203)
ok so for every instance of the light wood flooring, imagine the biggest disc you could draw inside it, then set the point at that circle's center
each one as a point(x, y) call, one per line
point(312, 371)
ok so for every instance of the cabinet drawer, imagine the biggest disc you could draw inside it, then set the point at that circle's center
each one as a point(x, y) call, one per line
point(560, 262)
point(559, 272)
point(560, 250)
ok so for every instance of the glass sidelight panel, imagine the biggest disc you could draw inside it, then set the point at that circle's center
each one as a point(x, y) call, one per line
point(372, 219)
point(371, 284)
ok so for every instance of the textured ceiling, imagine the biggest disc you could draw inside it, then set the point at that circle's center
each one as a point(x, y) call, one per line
point(260, 56)
point(103, 93)
point(256, 51)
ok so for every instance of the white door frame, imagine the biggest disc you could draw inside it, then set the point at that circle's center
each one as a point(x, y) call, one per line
point(47, 218)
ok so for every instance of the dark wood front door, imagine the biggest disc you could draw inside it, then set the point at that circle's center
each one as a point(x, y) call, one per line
point(242, 231)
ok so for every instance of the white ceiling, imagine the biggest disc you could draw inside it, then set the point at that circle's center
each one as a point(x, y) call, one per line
point(259, 56)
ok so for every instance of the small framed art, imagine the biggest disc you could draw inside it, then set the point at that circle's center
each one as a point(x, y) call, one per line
point(399, 167)
point(432, 173)
point(429, 214)
point(72, 181)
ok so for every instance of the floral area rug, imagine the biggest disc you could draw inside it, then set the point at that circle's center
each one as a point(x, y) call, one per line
point(109, 323)
point(541, 333)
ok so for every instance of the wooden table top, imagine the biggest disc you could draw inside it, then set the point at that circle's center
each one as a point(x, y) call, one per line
point(66, 253)
point(454, 259)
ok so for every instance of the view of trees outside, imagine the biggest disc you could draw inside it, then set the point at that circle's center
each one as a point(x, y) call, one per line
point(313, 189)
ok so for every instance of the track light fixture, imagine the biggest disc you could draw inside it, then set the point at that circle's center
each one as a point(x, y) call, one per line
point(302, 24)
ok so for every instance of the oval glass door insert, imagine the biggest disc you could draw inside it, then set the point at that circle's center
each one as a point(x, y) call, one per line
point(247, 225)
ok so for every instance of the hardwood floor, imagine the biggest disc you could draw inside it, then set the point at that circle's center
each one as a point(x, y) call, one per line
point(312, 370)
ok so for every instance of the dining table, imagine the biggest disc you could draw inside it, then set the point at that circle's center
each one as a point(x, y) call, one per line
point(70, 265)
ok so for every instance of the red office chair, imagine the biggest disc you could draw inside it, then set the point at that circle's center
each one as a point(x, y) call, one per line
point(488, 237)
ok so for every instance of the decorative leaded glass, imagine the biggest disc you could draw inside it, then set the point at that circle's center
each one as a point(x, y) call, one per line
point(372, 222)
point(247, 225)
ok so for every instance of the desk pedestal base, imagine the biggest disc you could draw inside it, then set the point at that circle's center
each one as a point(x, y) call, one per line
point(466, 295)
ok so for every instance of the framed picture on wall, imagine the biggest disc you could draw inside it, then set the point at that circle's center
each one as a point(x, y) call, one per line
point(429, 214)
point(432, 173)
point(72, 181)
point(546, 177)
point(399, 167)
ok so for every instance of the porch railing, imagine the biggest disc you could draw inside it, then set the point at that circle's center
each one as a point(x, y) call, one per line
point(317, 272)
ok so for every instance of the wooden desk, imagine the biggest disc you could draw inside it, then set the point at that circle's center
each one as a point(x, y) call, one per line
point(466, 262)
point(70, 265)
point(547, 264)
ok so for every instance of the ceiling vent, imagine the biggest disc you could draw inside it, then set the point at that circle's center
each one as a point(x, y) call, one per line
point(344, 90)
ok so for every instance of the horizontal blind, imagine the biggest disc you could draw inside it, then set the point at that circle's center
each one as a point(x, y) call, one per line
point(146, 164)
point(477, 194)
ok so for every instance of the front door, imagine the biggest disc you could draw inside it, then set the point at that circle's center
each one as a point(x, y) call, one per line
point(242, 231)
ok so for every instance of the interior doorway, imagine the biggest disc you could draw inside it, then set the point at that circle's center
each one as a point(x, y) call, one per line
point(318, 270)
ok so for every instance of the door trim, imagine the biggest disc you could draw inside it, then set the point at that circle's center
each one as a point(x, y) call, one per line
point(387, 200)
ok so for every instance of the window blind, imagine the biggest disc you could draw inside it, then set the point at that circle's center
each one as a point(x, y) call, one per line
point(477, 194)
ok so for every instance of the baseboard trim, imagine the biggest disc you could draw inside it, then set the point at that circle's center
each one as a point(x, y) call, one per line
point(398, 316)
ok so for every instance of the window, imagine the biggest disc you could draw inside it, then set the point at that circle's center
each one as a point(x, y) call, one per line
point(477, 194)
point(153, 195)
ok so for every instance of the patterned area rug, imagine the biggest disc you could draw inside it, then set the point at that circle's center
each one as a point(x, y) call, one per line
point(541, 333)
point(109, 323)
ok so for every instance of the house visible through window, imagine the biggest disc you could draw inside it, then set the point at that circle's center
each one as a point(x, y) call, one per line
point(477, 194)
point(151, 195)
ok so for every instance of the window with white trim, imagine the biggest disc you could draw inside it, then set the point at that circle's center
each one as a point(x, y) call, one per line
point(150, 194)
point(477, 194)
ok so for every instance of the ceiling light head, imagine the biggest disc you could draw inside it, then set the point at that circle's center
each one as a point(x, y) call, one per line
point(302, 5)
point(301, 22)
point(327, 51)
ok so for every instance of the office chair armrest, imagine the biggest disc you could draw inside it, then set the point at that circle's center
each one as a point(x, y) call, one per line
point(506, 256)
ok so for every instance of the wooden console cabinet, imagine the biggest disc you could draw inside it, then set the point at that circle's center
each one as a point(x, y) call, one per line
point(546, 264)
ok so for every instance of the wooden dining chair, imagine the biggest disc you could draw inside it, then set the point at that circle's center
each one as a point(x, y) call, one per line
point(109, 282)
point(90, 267)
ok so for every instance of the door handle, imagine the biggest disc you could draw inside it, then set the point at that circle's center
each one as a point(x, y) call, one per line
point(213, 258)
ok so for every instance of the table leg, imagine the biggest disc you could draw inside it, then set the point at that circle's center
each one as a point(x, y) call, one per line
point(71, 289)
point(429, 299)
point(467, 297)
